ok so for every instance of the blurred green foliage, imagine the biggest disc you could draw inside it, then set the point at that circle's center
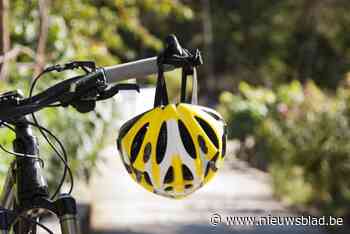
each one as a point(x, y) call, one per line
point(285, 66)
point(270, 42)
point(301, 135)
point(107, 32)
point(294, 128)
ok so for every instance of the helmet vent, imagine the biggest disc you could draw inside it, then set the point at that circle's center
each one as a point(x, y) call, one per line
point(169, 176)
point(126, 126)
point(147, 152)
point(137, 142)
point(212, 114)
point(128, 168)
point(186, 173)
point(202, 144)
point(207, 170)
point(208, 130)
point(169, 188)
point(215, 158)
point(212, 162)
point(161, 143)
point(147, 179)
point(187, 140)
point(138, 175)
point(188, 186)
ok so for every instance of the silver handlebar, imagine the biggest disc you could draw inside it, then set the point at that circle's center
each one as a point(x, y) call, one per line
point(138, 69)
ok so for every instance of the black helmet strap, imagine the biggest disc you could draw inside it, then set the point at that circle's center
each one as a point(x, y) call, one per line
point(161, 95)
point(186, 71)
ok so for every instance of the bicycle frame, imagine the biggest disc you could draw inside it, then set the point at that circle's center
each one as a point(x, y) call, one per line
point(25, 189)
point(7, 196)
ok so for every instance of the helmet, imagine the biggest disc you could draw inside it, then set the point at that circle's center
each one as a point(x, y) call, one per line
point(173, 149)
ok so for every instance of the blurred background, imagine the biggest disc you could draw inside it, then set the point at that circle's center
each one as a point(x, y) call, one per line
point(278, 71)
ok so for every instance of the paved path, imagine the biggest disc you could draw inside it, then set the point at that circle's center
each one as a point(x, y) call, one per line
point(122, 206)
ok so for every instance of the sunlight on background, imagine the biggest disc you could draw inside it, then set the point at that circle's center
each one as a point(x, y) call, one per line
point(278, 71)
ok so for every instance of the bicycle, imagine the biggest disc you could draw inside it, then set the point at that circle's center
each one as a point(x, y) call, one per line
point(25, 190)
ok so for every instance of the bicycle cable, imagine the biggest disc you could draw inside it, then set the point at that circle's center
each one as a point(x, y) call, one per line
point(37, 223)
point(19, 154)
point(60, 156)
point(26, 156)
point(41, 161)
point(63, 158)
point(31, 220)
point(34, 157)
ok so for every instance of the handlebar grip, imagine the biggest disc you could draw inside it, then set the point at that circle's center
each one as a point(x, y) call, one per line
point(138, 69)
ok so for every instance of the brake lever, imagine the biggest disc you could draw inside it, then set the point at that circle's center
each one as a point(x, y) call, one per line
point(85, 65)
point(113, 90)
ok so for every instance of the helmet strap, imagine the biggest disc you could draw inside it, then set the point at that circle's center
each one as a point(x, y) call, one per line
point(186, 71)
point(161, 95)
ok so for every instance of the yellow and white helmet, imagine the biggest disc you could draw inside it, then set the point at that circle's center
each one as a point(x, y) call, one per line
point(173, 149)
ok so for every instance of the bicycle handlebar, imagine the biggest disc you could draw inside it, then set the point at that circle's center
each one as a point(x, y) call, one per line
point(68, 89)
point(83, 91)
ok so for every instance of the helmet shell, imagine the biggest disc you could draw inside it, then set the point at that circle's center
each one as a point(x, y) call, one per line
point(173, 150)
